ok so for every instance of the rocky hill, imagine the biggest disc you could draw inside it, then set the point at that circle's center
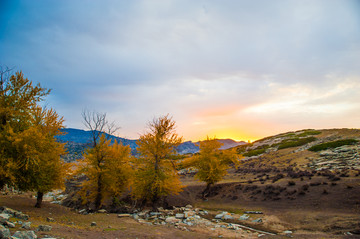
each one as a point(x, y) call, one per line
point(311, 149)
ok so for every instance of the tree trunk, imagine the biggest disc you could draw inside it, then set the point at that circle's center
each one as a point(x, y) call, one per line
point(99, 194)
point(39, 199)
point(206, 191)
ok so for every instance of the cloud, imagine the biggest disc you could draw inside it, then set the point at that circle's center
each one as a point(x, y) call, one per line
point(249, 66)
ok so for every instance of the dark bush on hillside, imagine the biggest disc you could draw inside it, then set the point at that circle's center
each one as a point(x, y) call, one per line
point(333, 144)
point(277, 177)
point(315, 184)
point(291, 183)
point(295, 142)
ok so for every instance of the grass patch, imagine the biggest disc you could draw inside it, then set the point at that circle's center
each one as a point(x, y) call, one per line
point(295, 142)
point(254, 152)
point(309, 132)
point(333, 144)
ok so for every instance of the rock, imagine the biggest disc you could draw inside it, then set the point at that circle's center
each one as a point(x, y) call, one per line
point(4, 232)
point(155, 214)
point(172, 220)
point(253, 212)
point(102, 211)
point(50, 219)
point(21, 216)
point(4, 217)
point(180, 215)
point(26, 225)
point(83, 211)
point(189, 214)
point(257, 220)
point(227, 217)
point(244, 217)
point(124, 215)
point(44, 228)
point(135, 216)
point(9, 224)
point(189, 206)
point(93, 224)
point(25, 235)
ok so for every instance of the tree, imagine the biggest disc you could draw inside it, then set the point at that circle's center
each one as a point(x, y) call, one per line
point(156, 174)
point(18, 98)
point(211, 163)
point(108, 171)
point(106, 165)
point(37, 164)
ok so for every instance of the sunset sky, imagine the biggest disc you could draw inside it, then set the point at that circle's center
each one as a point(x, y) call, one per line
point(230, 69)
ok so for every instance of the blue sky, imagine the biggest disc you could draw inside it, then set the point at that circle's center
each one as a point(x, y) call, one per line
point(239, 69)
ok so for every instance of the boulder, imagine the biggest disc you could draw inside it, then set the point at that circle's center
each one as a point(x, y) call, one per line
point(25, 235)
point(44, 228)
point(4, 232)
point(244, 217)
point(172, 220)
point(180, 215)
point(9, 224)
point(26, 225)
point(102, 211)
point(4, 217)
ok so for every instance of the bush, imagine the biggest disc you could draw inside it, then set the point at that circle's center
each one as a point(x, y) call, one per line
point(309, 132)
point(291, 183)
point(333, 144)
point(295, 142)
point(254, 152)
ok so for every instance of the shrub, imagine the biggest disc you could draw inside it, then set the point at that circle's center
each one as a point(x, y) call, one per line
point(254, 152)
point(309, 132)
point(333, 144)
point(291, 183)
point(295, 142)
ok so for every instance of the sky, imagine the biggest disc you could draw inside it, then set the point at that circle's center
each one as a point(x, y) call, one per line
point(227, 69)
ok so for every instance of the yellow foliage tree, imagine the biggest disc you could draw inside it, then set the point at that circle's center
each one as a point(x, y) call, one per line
point(156, 174)
point(108, 171)
point(211, 163)
point(37, 165)
point(18, 98)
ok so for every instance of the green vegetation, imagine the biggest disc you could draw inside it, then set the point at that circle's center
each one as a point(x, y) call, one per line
point(295, 142)
point(254, 152)
point(333, 144)
point(309, 132)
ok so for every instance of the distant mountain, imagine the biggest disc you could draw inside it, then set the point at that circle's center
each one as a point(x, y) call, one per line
point(78, 140)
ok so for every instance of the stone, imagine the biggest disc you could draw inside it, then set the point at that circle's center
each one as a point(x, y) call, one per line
point(257, 220)
point(9, 224)
point(44, 228)
point(253, 212)
point(172, 220)
point(189, 206)
point(21, 216)
point(50, 219)
point(180, 215)
point(244, 217)
point(26, 225)
point(227, 217)
point(102, 211)
point(93, 224)
point(4, 232)
point(124, 215)
point(25, 235)
point(4, 216)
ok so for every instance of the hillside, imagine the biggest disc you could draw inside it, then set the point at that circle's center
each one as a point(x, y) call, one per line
point(78, 140)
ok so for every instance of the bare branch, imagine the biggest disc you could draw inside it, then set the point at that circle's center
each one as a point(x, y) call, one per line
point(98, 124)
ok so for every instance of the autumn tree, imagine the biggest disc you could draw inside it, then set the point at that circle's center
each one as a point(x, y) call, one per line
point(211, 163)
point(18, 97)
point(106, 164)
point(156, 174)
point(37, 164)
point(108, 171)
point(29, 152)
